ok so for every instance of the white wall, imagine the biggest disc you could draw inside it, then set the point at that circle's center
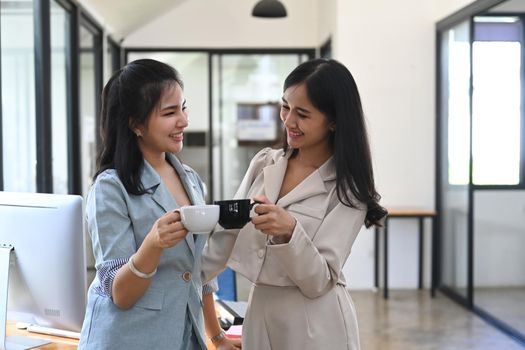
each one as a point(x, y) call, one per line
point(443, 8)
point(326, 12)
point(390, 49)
point(227, 23)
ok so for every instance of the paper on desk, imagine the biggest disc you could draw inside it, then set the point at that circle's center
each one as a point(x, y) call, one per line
point(234, 331)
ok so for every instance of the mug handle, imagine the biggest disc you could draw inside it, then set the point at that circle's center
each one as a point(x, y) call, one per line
point(255, 201)
point(181, 215)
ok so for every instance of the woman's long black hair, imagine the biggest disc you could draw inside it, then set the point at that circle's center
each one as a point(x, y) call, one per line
point(127, 100)
point(333, 91)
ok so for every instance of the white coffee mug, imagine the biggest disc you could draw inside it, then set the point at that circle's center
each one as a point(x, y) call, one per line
point(199, 219)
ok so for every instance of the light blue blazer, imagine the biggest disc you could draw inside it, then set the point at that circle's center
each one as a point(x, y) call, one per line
point(118, 223)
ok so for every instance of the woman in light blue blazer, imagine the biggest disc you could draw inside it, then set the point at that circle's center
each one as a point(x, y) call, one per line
point(147, 293)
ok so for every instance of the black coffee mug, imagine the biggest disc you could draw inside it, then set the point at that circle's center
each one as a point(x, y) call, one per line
point(235, 213)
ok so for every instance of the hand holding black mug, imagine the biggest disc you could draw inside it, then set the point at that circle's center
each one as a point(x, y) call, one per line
point(235, 213)
point(274, 221)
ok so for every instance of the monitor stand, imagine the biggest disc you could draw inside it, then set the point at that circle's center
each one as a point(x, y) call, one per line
point(12, 342)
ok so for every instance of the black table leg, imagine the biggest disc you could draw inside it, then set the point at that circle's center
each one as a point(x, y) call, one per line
point(385, 262)
point(435, 258)
point(376, 257)
point(421, 252)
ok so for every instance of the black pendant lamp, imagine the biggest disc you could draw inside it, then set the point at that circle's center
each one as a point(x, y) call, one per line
point(269, 9)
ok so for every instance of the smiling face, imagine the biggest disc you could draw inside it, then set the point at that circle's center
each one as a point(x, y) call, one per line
point(164, 127)
point(307, 128)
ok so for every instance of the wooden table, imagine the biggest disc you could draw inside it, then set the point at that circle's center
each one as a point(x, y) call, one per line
point(407, 213)
point(57, 343)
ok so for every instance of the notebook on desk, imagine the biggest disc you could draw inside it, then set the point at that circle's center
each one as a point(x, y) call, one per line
point(234, 331)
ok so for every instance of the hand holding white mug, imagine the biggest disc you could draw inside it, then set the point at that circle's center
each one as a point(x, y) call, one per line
point(168, 230)
point(199, 219)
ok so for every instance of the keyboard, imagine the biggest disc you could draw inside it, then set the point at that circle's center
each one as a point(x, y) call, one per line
point(53, 331)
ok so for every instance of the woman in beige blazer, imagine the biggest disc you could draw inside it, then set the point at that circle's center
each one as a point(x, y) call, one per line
point(317, 192)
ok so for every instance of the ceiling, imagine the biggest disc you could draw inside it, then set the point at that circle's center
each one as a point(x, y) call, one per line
point(510, 6)
point(122, 17)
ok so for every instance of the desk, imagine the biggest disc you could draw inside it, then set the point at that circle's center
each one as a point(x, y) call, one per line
point(406, 213)
point(58, 343)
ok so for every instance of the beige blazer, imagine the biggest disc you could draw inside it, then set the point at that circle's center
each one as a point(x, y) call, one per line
point(298, 300)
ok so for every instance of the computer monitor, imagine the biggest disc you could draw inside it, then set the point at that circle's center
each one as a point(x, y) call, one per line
point(42, 261)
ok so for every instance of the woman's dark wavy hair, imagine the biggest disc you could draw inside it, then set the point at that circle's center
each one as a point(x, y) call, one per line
point(333, 91)
point(128, 98)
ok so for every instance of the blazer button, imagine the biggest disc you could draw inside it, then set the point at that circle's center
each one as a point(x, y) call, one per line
point(186, 276)
point(260, 253)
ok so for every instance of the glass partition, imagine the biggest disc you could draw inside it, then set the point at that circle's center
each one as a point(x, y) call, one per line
point(59, 93)
point(112, 58)
point(499, 217)
point(481, 182)
point(455, 155)
point(87, 106)
point(18, 96)
point(88, 119)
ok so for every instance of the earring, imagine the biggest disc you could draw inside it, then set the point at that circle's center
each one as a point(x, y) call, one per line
point(138, 133)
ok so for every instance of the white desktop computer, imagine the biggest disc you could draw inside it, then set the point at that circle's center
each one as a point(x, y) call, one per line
point(42, 264)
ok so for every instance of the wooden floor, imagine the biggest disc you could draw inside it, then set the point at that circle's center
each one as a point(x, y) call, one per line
point(411, 320)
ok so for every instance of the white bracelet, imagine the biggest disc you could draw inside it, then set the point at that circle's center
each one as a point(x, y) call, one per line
point(136, 271)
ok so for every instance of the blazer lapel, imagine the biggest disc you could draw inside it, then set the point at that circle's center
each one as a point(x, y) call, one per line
point(159, 193)
point(163, 198)
point(309, 187)
point(189, 186)
point(273, 178)
point(190, 191)
point(313, 185)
